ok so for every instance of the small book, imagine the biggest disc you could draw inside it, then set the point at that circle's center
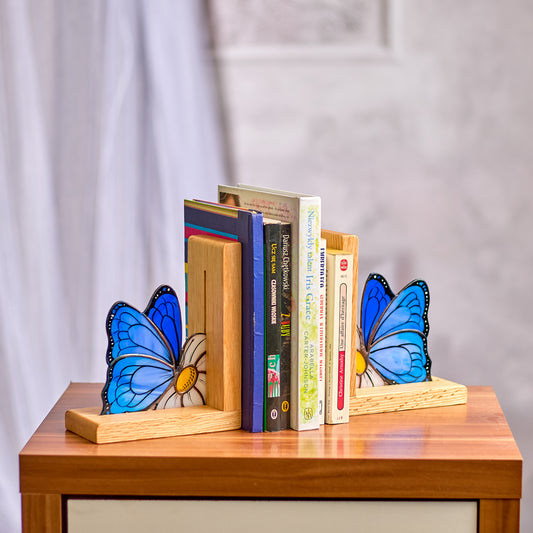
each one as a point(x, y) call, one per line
point(339, 278)
point(348, 243)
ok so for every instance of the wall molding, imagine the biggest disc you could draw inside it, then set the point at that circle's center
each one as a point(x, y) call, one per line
point(388, 49)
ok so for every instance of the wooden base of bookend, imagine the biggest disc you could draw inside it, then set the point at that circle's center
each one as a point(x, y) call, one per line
point(214, 294)
point(388, 398)
point(101, 429)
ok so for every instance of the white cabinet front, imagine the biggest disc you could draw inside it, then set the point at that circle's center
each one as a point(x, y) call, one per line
point(270, 516)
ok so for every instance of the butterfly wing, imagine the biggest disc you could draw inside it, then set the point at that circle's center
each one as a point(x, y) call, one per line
point(376, 297)
point(407, 310)
point(135, 383)
point(397, 342)
point(401, 357)
point(141, 363)
point(164, 311)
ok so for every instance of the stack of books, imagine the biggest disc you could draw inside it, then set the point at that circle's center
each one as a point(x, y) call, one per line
point(298, 311)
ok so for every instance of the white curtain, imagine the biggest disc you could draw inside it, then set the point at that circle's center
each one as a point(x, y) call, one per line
point(108, 120)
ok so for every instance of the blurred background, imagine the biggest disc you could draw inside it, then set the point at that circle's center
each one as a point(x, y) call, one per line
point(411, 118)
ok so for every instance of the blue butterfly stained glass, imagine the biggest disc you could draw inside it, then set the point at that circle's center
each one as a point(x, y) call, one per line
point(393, 334)
point(147, 367)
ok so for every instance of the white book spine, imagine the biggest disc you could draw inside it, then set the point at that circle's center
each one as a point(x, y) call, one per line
point(304, 414)
point(339, 283)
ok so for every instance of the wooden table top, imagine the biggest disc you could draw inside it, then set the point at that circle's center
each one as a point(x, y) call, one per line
point(458, 452)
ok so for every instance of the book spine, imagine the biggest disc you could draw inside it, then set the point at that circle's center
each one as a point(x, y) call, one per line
point(339, 276)
point(272, 233)
point(285, 314)
point(322, 336)
point(254, 353)
point(304, 365)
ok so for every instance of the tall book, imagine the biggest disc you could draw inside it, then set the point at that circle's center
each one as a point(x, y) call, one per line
point(339, 276)
point(272, 235)
point(285, 313)
point(303, 212)
point(245, 226)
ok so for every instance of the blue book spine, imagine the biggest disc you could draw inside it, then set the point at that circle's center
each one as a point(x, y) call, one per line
point(253, 320)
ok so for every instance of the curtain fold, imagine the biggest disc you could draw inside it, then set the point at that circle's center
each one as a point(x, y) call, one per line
point(108, 120)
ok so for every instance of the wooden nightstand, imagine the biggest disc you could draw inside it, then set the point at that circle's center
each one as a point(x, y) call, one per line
point(438, 464)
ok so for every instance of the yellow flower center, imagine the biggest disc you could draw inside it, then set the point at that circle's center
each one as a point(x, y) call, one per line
point(360, 363)
point(186, 379)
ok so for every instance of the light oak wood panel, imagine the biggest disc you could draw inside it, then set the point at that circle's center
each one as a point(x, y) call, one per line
point(436, 393)
point(123, 427)
point(214, 302)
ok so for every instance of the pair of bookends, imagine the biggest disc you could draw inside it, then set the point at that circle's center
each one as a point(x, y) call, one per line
point(156, 387)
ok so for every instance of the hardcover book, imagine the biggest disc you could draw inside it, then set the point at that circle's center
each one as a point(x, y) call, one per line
point(303, 212)
point(339, 272)
point(245, 226)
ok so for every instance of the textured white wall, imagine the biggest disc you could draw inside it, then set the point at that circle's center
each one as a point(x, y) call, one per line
point(413, 120)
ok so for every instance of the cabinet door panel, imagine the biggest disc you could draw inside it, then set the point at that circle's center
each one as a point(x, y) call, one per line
point(265, 516)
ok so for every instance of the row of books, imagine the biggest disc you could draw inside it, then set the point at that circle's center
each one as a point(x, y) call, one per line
point(286, 375)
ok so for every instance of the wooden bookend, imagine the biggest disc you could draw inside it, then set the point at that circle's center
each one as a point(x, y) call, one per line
point(387, 398)
point(214, 297)
point(348, 243)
